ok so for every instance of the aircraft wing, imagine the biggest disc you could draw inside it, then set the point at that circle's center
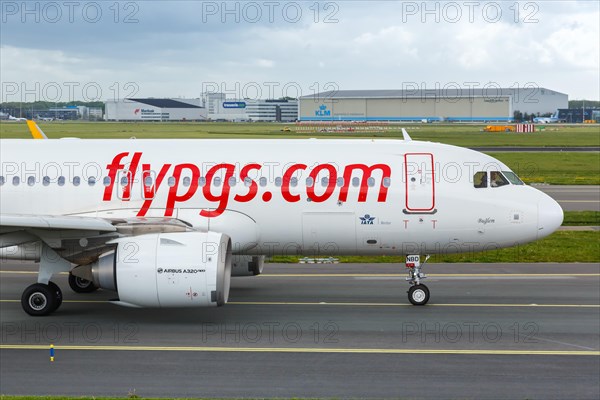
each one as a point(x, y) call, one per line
point(10, 221)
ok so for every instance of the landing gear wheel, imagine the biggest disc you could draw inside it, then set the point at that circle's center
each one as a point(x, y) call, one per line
point(418, 295)
point(39, 299)
point(80, 285)
point(58, 293)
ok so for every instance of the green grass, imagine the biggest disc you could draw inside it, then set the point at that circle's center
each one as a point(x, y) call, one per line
point(561, 246)
point(561, 168)
point(581, 218)
point(466, 135)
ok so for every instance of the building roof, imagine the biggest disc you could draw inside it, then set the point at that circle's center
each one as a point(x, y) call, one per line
point(462, 92)
point(165, 103)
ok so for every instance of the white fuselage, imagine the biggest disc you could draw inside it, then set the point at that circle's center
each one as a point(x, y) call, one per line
point(420, 198)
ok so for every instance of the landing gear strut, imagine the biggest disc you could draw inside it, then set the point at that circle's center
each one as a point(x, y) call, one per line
point(418, 294)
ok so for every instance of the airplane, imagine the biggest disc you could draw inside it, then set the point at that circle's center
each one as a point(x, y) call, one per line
point(547, 120)
point(166, 223)
point(11, 118)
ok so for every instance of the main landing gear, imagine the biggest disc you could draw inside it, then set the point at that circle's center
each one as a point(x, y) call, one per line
point(40, 299)
point(80, 285)
point(44, 297)
point(418, 294)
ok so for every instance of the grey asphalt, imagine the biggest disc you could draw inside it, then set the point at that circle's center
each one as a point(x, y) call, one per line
point(479, 337)
point(574, 197)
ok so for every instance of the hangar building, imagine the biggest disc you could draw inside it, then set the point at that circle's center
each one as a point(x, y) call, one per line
point(155, 110)
point(460, 105)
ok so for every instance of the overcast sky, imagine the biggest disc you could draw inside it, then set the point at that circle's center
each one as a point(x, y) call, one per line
point(90, 50)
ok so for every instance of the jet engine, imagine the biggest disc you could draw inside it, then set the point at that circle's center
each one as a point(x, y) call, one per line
point(183, 269)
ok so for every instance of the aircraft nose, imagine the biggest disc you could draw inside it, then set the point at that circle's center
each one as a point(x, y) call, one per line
point(550, 216)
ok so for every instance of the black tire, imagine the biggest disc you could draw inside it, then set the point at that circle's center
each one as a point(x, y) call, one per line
point(39, 300)
point(58, 293)
point(80, 285)
point(418, 295)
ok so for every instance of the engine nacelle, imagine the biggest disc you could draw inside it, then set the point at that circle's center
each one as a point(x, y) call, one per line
point(247, 265)
point(184, 269)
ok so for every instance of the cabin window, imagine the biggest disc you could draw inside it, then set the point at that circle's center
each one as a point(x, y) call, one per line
point(124, 180)
point(2, 181)
point(497, 179)
point(217, 181)
point(294, 182)
point(171, 181)
point(340, 182)
point(247, 181)
point(106, 181)
point(16, 180)
point(46, 180)
point(480, 179)
point(278, 181)
point(92, 180)
point(186, 181)
point(76, 181)
point(262, 181)
point(324, 181)
point(310, 182)
point(387, 182)
point(355, 181)
point(371, 182)
point(61, 181)
point(201, 181)
point(232, 181)
point(512, 177)
point(31, 180)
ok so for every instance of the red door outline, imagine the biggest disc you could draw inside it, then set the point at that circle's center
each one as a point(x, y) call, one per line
point(406, 179)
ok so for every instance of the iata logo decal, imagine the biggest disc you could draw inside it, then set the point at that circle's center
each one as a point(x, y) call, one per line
point(217, 191)
point(367, 220)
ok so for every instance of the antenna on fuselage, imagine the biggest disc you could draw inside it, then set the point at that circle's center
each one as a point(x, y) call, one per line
point(405, 135)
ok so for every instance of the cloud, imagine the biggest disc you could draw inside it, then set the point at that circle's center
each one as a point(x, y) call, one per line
point(178, 48)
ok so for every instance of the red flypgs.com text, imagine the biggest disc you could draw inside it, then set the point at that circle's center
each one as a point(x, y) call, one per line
point(153, 178)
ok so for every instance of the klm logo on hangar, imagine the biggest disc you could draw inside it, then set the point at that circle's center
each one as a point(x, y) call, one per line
point(323, 111)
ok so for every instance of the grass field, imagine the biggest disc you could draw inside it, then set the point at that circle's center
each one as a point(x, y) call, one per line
point(581, 218)
point(561, 246)
point(560, 168)
point(458, 134)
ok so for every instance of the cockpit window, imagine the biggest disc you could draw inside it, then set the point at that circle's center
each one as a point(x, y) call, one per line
point(497, 179)
point(480, 179)
point(512, 177)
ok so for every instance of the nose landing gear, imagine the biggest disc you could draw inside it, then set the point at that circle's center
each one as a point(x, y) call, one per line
point(418, 294)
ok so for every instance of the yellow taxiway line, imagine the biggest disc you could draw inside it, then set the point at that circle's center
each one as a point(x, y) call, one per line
point(369, 275)
point(350, 304)
point(304, 350)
